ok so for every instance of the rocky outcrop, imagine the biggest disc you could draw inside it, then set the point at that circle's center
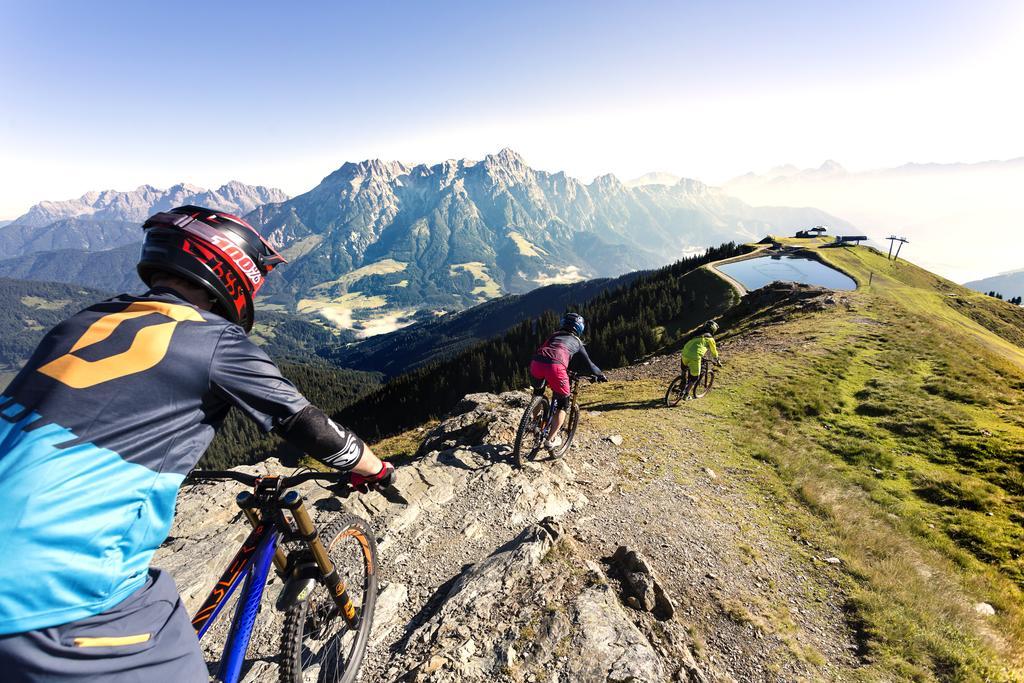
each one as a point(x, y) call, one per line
point(534, 610)
point(477, 420)
point(644, 589)
point(479, 579)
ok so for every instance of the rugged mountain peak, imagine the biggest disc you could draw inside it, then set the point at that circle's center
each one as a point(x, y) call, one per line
point(509, 156)
point(507, 159)
point(366, 169)
point(184, 188)
point(248, 197)
point(507, 168)
point(607, 183)
point(691, 186)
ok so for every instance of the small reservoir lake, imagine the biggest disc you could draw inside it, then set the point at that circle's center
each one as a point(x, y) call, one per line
point(757, 272)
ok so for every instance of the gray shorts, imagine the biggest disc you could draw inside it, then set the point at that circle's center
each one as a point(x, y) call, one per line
point(147, 638)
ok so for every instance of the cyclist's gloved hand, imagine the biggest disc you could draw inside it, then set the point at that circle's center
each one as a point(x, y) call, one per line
point(602, 377)
point(382, 480)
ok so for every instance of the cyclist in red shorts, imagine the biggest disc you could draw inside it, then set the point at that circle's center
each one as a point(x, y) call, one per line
point(551, 363)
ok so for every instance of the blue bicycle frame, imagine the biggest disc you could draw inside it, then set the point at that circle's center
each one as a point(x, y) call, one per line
point(251, 562)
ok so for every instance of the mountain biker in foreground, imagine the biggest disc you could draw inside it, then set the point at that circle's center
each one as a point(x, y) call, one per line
point(551, 362)
point(694, 352)
point(113, 409)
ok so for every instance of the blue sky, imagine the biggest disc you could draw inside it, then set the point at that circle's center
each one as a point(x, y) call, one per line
point(115, 94)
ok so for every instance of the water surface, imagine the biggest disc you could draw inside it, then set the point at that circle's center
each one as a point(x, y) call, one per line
point(757, 272)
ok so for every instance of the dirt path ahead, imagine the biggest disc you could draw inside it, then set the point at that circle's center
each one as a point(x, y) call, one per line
point(761, 604)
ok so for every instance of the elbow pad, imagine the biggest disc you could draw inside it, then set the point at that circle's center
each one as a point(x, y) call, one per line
point(321, 437)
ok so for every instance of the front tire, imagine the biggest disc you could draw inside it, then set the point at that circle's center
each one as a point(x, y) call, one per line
point(704, 384)
point(675, 392)
point(316, 640)
point(529, 435)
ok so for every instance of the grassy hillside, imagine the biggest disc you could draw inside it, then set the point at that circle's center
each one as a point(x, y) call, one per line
point(892, 426)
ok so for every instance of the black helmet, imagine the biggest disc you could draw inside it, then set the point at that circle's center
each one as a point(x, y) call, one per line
point(573, 322)
point(217, 251)
point(711, 327)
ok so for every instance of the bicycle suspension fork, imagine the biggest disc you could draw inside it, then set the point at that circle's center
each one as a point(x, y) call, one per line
point(293, 502)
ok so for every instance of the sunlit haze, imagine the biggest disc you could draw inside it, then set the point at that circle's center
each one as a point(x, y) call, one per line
point(117, 94)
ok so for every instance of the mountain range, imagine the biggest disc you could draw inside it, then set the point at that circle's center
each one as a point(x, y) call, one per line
point(376, 243)
point(104, 220)
point(1009, 284)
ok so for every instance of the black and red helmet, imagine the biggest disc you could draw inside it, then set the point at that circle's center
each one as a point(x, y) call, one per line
point(220, 252)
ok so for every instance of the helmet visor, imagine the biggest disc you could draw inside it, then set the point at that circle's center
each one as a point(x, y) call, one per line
point(244, 236)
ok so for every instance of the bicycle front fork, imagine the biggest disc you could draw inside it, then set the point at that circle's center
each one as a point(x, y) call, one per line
point(293, 501)
point(307, 533)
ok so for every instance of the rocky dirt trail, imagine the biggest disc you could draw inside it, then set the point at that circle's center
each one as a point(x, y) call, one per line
point(639, 561)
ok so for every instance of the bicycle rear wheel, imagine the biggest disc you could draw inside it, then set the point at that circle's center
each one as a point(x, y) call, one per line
point(675, 392)
point(530, 433)
point(704, 384)
point(568, 432)
point(317, 644)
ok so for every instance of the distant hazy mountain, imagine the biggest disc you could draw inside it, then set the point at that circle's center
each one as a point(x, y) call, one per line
point(959, 217)
point(381, 233)
point(1008, 284)
point(103, 220)
point(656, 178)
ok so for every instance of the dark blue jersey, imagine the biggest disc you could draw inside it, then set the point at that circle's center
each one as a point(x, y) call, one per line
point(98, 430)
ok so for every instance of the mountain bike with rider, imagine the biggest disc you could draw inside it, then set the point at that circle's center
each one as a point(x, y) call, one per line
point(551, 362)
point(694, 352)
point(98, 431)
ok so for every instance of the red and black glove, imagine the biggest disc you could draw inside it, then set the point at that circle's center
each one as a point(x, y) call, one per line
point(382, 480)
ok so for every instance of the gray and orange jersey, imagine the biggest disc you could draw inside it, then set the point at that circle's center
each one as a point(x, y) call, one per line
point(97, 432)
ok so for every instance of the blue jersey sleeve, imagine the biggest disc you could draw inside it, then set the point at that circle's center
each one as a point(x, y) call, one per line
point(243, 374)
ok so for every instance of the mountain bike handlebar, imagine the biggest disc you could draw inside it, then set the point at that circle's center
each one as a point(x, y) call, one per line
point(251, 479)
point(340, 482)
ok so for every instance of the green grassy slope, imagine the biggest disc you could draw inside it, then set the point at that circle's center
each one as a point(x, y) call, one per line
point(894, 426)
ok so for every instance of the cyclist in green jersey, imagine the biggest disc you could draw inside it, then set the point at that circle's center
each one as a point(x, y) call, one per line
point(694, 352)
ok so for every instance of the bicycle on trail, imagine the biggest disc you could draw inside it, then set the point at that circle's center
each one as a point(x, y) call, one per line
point(329, 574)
point(699, 388)
point(538, 416)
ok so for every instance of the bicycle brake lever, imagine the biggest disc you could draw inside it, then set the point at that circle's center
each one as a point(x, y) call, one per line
point(341, 490)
